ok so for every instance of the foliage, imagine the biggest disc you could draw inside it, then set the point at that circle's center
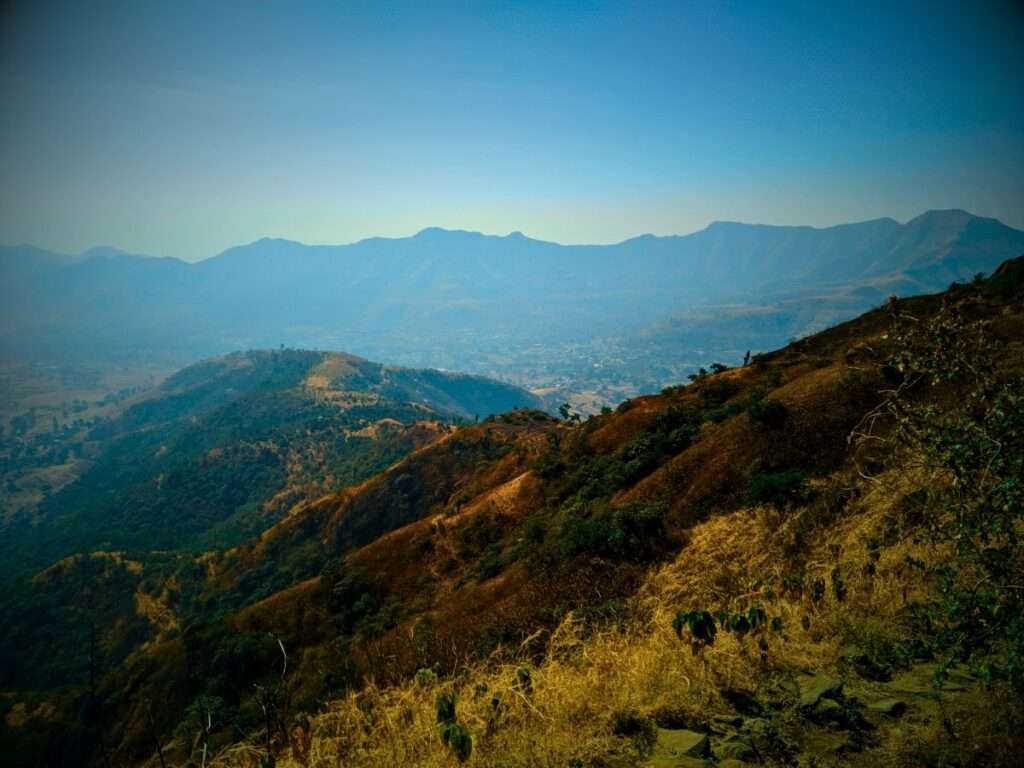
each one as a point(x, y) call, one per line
point(776, 488)
point(355, 602)
point(599, 477)
point(632, 532)
point(454, 735)
point(701, 626)
point(524, 680)
point(958, 416)
point(770, 413)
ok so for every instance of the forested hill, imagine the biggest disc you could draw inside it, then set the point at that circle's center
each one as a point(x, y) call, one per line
point(220, 450)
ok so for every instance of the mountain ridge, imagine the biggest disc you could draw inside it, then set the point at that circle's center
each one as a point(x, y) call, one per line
point(508, 307)
point(431, 230)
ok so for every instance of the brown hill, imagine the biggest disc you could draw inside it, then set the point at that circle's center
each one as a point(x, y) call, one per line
point(480, 545)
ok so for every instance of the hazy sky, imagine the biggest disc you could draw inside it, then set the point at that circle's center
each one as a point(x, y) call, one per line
point(182, 128)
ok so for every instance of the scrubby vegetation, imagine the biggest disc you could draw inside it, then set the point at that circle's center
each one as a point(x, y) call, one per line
point(814, 559)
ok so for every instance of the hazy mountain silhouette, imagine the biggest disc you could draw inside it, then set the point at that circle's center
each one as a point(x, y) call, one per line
point(464, 287)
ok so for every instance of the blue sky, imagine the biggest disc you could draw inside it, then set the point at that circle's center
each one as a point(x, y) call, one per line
point(183, 128)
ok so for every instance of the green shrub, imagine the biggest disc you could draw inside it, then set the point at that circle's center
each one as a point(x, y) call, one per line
point(974, 442)
point(457, 739)
point(425, 677)
point(524, 680)
point(491, 564)
point(444, 706)
point(700, 624)
point(632, 532)
point(771, 413)
point(776, 488)
point(453, 734)
point(714, 392)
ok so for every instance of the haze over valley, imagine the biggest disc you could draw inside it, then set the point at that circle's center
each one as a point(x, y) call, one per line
point(589, 324)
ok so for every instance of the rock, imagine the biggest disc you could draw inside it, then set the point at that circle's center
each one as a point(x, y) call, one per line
point(681, 743)
point(744, 703)
point(738, 747)
point(833, 714)
point(765, 738)
point(864, 665)
point(920, 681)
point(888, 707)
point(841, 715)
point(830, 747)
point(675, 762)
point(726, 721)
point(815, 688)
point(780, 692)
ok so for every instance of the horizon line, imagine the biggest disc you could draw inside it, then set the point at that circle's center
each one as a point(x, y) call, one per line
point(116, 251)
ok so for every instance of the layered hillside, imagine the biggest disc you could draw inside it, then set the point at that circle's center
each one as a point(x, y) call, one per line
point(222, 449)
point(746, 568)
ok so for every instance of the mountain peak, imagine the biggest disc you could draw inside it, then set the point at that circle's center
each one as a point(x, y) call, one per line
point(439, 232)
point(101, 252)
point(943, 216)
point(434, 232)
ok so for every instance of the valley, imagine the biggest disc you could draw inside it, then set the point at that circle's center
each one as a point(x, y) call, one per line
point(587, 324)
point(736, 569)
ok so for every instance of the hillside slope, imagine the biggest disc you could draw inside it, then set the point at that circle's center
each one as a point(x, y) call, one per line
point(220, 450)
point(536, 569)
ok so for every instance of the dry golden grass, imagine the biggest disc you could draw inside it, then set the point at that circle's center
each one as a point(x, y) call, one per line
point(587, 676)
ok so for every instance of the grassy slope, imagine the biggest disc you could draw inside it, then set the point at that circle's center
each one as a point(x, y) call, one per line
point(476, 552)
point(588, 675)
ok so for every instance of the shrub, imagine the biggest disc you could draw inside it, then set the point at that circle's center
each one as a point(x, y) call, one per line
point(491, 564)
point(453, 734)
point(700, 624)
point(776, 488)
point(351, 596)
point(716, 391)
point(971, 446)
point(524, 680)
point(444, 706)
point(457, 739)
point(425, 677)
point(771, 413)
point(633, 532)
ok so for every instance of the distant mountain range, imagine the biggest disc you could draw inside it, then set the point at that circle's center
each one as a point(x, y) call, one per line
point(446, 297)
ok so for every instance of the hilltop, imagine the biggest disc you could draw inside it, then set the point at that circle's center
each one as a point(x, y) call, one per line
point(220, 450)
point(566, 579)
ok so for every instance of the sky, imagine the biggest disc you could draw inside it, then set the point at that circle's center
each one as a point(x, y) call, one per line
point(183, 128)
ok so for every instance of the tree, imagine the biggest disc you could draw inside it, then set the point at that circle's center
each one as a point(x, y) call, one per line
point(969, 449)
point(566, 412)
